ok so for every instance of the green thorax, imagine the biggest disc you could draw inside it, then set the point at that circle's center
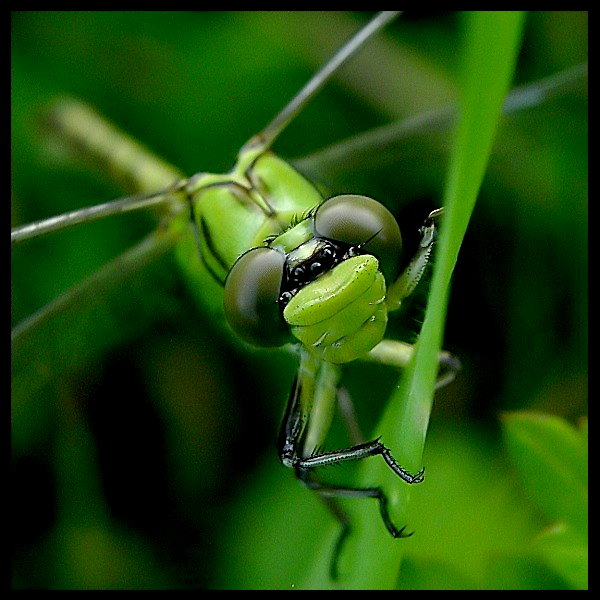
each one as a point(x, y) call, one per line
point(259, 199)
point(298, 241)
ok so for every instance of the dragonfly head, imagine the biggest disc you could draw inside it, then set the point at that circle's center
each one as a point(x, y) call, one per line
point(323, 281)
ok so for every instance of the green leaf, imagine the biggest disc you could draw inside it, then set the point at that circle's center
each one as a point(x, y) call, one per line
point(551, 456)
point(431, 574)
point(565, 551)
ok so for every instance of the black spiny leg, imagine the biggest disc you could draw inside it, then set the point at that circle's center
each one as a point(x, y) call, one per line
point(329, 494)
point(290, 453)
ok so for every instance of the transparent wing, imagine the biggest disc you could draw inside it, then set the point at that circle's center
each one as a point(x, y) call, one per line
point(351, 152)
point(92, 288)
point(312, 87)
point(93, 213)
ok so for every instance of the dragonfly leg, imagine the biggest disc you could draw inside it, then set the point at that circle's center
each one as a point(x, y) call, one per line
point(372, 448)
point(292, 449)
point(348, 414)
point(291, 453)
point(398, 354)
point(410, 277)
point(329, 494)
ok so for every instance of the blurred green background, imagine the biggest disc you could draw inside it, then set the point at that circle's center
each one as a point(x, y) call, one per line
point(143, 437)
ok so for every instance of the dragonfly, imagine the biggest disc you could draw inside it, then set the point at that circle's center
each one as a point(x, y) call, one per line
point(295, 268)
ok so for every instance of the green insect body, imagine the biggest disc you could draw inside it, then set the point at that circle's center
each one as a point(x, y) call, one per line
point(285, 265)
point(293, 268)
point(340, 314)
point(241, 209)
point(235, 212)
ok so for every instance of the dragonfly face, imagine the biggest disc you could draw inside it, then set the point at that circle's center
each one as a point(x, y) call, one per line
point(322, 282)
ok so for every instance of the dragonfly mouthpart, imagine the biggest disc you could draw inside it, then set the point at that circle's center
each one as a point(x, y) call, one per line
point(340, 315)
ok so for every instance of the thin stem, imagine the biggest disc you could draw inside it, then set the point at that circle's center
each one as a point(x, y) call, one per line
point(268, 135)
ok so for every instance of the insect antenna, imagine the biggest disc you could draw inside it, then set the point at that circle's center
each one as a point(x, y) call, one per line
point(363, 244)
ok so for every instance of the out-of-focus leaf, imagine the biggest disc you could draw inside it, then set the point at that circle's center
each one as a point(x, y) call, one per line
point(431, 574)
point(467, 513)
point(463, 521)
point(522, 570)
point(564, 549)
point(551, 456)
point(268, 544)
point(94, 557)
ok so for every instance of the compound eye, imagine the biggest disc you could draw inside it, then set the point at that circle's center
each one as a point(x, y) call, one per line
point(362, 221)
point(251, 296)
